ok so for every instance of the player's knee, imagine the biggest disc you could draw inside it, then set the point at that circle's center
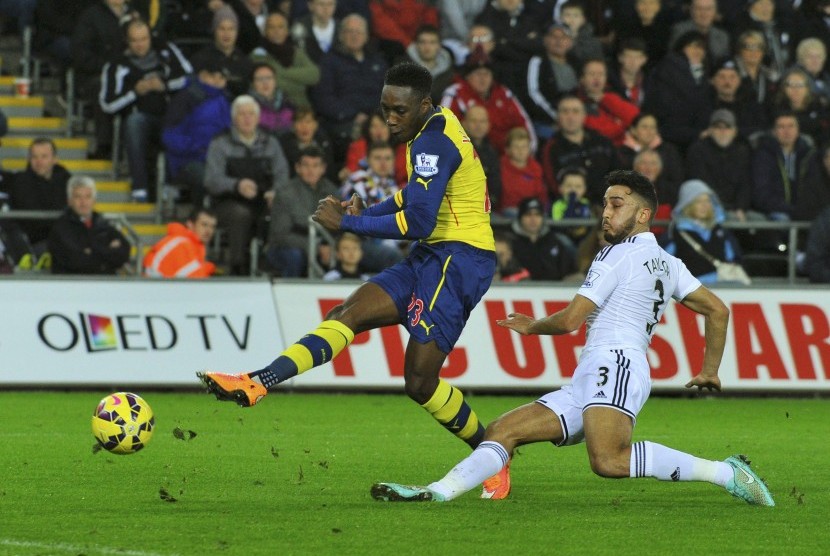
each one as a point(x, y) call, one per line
point(336, 313)
point(500, 432)
point(418, 389)
point(607, 465)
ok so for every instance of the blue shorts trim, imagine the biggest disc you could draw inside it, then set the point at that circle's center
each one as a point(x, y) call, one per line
point(436, 287)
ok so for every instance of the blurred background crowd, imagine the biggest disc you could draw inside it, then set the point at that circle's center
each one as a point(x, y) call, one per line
point(259, 108)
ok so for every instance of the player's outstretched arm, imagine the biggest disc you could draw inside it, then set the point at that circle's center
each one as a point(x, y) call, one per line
point(716, 320)
point(567, 320)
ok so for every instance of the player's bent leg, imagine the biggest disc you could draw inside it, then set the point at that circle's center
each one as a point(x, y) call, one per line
point(367, 307)
point(608, 439)
point(443, 401)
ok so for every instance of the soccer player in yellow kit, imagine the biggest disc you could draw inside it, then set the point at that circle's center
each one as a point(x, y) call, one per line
point(445, 206)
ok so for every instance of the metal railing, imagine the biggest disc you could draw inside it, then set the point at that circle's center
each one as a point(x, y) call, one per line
point(318, 234)
point(119, 220)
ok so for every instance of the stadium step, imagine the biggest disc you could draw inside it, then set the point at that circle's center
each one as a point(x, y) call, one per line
point(22, 107)
point(128, 209)
point(91, 167)
point(20, 126)
point(6, 84)
point(68, 149)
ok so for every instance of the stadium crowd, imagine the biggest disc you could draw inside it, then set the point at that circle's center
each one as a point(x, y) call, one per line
point(261, 107)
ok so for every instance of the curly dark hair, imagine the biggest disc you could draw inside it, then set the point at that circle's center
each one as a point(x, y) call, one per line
point(638, 183)
point(410, 74)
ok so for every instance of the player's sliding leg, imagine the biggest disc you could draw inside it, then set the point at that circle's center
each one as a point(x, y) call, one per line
point(524, 425)
point(368, 307)
point(608, 433)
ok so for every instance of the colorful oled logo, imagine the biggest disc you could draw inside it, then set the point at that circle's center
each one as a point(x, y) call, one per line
point(99, 332)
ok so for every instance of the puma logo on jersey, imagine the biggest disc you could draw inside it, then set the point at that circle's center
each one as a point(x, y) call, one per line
point(426, 326)
point(423, 182)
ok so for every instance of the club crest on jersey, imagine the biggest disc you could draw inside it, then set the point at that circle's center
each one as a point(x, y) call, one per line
point(589, 279)
point(426, 164)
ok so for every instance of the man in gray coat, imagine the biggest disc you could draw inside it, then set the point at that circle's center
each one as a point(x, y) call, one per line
point(294, 203)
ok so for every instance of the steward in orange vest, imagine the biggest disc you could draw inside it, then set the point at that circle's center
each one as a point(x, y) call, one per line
point(181, 253)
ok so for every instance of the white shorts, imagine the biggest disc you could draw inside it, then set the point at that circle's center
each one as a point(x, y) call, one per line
point(607, 378)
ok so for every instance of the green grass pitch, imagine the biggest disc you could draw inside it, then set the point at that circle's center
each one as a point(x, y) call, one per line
point(292, 476)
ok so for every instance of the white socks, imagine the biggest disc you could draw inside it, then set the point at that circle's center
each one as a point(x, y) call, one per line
point(649, 459)
point(485, 461)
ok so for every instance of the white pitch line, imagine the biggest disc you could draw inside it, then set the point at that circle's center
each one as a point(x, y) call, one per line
point(76, 549)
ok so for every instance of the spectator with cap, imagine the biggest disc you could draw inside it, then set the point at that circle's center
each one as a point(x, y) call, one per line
point(722, 161)
point(729, 95)
point(680, 80)
point(607, 112)
point(549, 76)
point(477, 87)
point(702, 16)
point(351, 80)
point(295, 69)
point(82, 241)
point(137, 86)
point(194, 117)
point(235, 63)
point(537, 247)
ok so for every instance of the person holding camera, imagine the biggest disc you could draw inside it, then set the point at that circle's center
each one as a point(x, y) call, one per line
point(244, 168)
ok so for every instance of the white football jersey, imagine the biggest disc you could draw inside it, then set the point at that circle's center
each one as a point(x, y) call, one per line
point(631, 284)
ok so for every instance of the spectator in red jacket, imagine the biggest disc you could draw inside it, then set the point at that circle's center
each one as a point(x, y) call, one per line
point(608, 113)
point(478, 88)
point(521, 174)
point(181, 253)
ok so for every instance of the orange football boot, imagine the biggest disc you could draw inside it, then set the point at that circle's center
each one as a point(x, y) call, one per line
point(234, 388)
point(497, 487)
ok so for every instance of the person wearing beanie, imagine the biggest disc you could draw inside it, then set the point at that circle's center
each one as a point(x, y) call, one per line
point(697, 217)
point(537, 247)
point(729, 94)
point(235, 63)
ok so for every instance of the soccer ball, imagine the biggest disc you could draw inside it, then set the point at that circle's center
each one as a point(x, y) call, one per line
point(123, 423)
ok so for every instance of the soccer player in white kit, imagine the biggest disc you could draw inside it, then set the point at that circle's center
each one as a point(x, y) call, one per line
point(622, 299)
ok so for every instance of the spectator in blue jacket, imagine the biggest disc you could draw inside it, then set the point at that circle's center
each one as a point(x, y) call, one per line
point(195, 116)
point(351, 80)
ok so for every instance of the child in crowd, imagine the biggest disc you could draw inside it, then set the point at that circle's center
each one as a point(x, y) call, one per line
point(573, 186)
point(586, 45)
point(521, 174)
point(508, 268)
point(349, 253)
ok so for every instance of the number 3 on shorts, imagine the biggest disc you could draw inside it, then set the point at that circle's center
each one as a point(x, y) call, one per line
point(603, 373)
